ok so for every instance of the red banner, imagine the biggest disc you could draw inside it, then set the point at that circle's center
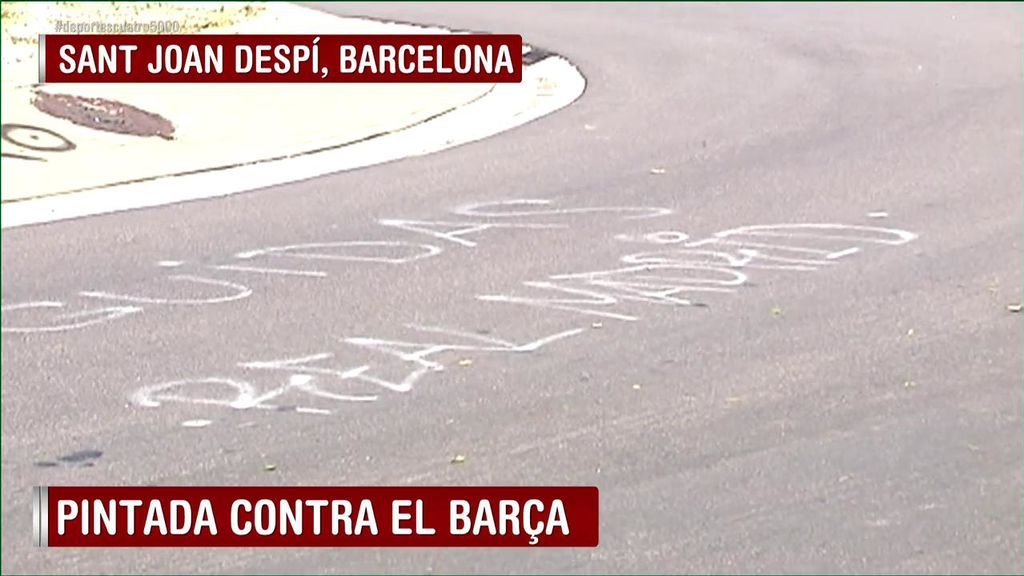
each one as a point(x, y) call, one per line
point(315, 516)
point(485, 58)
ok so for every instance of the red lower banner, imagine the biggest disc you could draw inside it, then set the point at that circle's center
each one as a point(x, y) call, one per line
point(217, 516)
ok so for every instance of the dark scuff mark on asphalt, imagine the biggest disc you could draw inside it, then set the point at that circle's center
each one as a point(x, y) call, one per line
point(84, 458)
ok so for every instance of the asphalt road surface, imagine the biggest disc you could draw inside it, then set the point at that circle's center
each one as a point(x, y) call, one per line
point(861, 413)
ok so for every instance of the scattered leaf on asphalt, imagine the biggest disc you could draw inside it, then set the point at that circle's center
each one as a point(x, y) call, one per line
point(636, 386)
point(458, 459)
point(909, 384)
point(589, 127)
point(657, 170)
point(910, 332)
point(269, 467)
point(465, 362)
point(596, 325)
point(451, 421)
point(1013, 307)
point(776, 311)
point(878, 214)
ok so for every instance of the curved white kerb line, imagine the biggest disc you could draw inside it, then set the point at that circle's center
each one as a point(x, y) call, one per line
point(548, 85)
point(240, 293)
point(92, 317)
point(478, 209)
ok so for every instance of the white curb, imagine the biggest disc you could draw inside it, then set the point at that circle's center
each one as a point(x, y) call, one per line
point(548, 85)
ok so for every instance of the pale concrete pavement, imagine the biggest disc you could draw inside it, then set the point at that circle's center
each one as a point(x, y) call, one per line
point(213, 127)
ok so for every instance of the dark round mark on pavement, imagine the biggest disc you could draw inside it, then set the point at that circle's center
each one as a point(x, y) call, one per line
point(103, 114)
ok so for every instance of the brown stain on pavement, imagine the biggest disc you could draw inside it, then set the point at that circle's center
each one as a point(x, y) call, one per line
point(103, 114)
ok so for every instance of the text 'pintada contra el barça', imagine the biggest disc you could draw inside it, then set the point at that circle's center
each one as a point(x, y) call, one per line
point(315, 516)
point(236, 58)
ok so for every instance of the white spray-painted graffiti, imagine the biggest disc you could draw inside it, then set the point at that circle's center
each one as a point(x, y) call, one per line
point(313, 374)
point(677, 272)
point(661, 277)
point(65, 320)
point(295, 259)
